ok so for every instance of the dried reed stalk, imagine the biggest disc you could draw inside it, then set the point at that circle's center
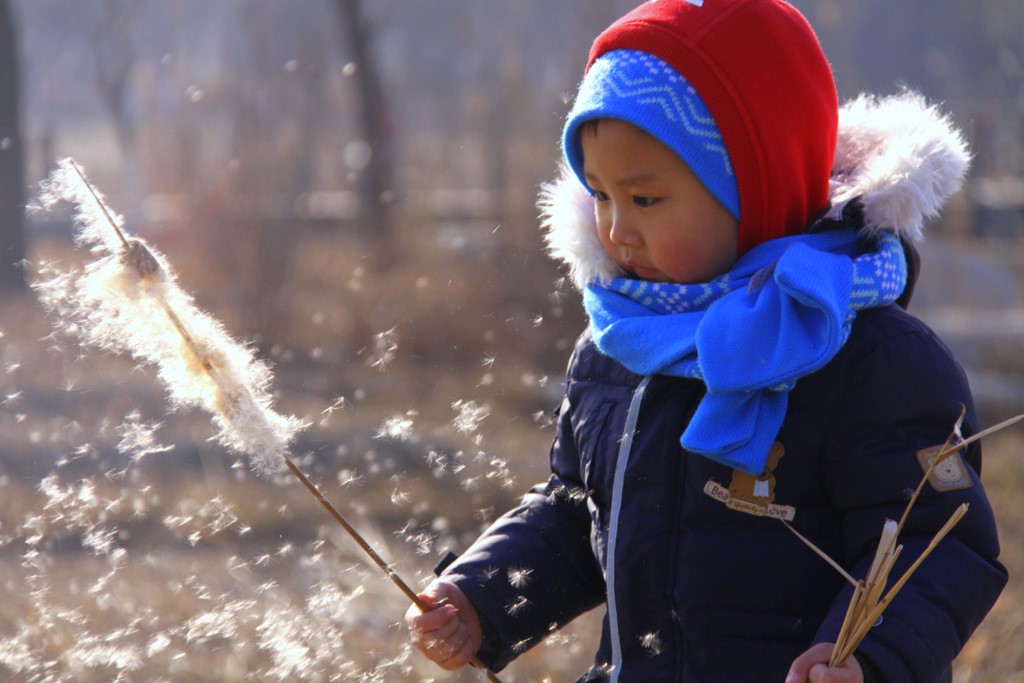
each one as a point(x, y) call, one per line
point(866, 605)
point(127, 301)
point(868, 602)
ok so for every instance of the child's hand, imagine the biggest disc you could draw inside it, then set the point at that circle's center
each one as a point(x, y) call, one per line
point(449, 635)
point(812, 667)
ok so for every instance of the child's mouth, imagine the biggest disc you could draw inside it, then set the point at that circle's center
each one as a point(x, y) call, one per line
point(642, 272)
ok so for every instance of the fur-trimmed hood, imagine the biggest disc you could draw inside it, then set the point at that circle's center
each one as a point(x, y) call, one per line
point(901, 157)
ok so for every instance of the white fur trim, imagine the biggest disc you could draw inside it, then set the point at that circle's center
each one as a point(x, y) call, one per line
point(570, 230)
point(902, 157)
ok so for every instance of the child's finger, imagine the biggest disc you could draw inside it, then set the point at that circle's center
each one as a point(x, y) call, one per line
point(434, 598)
point(800, 670)
point(449, 632)
point(434, 620)
point(460, 649)
point(821, 673)
point(447, 628)
point(449, 651)
point(812, 667)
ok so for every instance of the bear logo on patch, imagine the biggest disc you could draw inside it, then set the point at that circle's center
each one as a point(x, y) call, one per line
point(949, 474)
point(758, 490)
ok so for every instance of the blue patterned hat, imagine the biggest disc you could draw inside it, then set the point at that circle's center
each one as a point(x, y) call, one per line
point(644, 90)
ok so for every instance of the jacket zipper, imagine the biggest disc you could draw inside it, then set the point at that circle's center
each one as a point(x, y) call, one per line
point(625, 447)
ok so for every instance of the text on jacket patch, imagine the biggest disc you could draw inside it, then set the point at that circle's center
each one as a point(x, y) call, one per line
point(754, 495)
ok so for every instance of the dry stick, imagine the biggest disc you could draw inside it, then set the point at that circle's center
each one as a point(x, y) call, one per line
point(855, 629)
point(821, 553)
point(886, 543)
point(884, 575)
point(136, 254)
point(949, 448)
point(851, 610)
point(864, 599)
point(368, 549)
point(952, 444)
point(862, 604)
point(99, 203)
point(872, 617)
point(363, 543)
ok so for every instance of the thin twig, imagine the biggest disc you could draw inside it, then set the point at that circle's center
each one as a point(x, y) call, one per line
point(356, 536)
point(821, 553)
point(99, 203)
point(866, 623)
point(866, 606)
point(954, 442)
point(377, 559)
point(848, 620)
point(951, 446)
point(980, 435)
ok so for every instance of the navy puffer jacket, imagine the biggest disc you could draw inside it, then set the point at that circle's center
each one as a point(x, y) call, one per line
point(699, 592)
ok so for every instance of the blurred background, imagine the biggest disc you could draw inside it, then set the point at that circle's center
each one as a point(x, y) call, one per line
point(350, 187)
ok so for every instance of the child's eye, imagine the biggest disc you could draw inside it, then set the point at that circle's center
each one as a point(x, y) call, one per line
point(600, 196)
point(645, 202)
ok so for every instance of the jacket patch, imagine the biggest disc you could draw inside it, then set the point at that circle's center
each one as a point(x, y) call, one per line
point(951, 474)
point(754, 495)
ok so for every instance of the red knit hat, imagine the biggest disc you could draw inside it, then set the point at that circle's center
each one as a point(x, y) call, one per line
point(760, 70)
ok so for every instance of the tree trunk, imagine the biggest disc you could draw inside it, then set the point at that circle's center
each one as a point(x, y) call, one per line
point(12, 163)
point(377, 178)
point(115, 57)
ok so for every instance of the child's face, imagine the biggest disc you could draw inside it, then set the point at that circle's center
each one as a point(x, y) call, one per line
point(654, 217)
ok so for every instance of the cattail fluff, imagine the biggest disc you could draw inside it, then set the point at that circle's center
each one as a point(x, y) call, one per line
point(127, 301)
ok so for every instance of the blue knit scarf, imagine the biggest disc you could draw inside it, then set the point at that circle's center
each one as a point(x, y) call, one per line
point(782, 312)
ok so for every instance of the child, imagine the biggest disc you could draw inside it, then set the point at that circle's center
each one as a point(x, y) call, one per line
point(743, 249)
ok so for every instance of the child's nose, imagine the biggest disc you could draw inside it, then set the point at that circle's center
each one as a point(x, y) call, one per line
point(623, 233)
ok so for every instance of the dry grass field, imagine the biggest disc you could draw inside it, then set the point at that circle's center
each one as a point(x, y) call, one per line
point(132, 548)
point(994, 653)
